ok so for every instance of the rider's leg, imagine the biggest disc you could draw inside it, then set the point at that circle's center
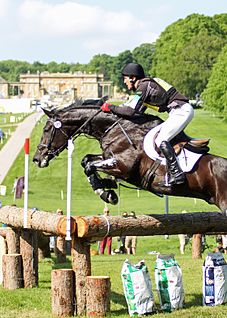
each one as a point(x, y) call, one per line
point(178, 119)
point(176, 174)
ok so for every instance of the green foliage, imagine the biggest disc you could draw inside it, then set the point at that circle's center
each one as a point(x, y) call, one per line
point(221, 19)
point(11, 69)
point(215, 94)
point(119, 62)
point(143, 55)
point(186, 51)
point(101, 64)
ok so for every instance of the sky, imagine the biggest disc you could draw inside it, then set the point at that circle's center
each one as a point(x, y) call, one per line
point(74, 31)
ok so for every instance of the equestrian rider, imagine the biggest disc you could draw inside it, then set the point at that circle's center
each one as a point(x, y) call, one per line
point(157, 94)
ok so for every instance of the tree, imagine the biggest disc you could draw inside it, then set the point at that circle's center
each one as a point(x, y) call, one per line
point(221, 20)
point(101, 64)
point(215, 94)
point(119, 62)
point(143, 55)
point(186, 50)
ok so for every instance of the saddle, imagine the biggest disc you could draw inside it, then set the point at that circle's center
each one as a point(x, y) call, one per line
point(182, 141)
point(194, 145)
point(179, 143)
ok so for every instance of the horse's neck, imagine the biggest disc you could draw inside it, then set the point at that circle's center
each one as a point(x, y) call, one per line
point(90, 121)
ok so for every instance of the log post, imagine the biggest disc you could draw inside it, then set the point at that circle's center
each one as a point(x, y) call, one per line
point(197, 246)
point(63, 292)
point(60, 249)
point(12, 271)
point(43, 245)
point(3, 250)
point(81, 264)
point(98, 296)
point(13, 240)
point(29, 252)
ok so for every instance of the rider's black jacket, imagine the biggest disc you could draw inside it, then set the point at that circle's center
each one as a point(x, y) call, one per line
point(153, 94)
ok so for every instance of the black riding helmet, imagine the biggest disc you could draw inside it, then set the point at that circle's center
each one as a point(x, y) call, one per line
point(133, 69)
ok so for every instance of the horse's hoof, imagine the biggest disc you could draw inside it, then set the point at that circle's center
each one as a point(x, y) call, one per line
point(109, 197)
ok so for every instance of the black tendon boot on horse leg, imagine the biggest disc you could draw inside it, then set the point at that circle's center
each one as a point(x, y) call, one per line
point(176, 174)
point(98, 186)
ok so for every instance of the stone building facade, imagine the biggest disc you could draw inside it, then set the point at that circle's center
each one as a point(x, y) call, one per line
point(79, 84)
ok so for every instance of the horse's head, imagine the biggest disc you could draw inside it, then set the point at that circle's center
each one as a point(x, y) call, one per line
point(53, 141)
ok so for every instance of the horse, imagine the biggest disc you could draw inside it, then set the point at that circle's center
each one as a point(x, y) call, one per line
point(123, 156)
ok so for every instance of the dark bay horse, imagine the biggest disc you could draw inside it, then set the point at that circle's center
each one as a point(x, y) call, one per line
point(123, 157)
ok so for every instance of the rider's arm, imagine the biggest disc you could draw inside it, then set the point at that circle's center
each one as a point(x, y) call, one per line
point(129, 108)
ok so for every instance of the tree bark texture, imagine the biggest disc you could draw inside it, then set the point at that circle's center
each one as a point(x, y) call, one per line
point(63, 292)
point(3, 250)
point(38, 220)
point(43, 245)
point(13, 240)
point(60, 249)
point(197, 246)
point(98, 296)
point(81, 264)
point(155, 224)
point(12, 271)
point(29, 252)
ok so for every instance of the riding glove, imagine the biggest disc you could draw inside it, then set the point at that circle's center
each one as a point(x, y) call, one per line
point(105, 108)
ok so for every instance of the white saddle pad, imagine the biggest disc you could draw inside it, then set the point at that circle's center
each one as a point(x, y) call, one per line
point(186, 158)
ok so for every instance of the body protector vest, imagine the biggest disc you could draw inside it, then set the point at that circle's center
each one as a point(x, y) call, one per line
point(156, 93)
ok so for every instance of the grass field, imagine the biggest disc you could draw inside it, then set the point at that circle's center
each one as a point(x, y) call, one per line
point(45, 192)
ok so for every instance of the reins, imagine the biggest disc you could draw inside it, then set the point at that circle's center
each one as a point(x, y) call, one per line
point(76, 133)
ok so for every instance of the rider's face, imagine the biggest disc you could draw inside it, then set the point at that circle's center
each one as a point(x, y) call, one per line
point(129, 82)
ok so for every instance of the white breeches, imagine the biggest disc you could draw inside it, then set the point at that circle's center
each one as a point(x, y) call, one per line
point(178, 119)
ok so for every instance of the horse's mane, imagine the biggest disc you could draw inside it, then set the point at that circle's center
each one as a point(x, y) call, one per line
point(94, 104)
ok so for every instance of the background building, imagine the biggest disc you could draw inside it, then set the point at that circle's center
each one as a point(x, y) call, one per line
point(79, 84)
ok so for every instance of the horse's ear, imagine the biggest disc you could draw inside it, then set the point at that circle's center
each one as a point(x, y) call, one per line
point(47, 112)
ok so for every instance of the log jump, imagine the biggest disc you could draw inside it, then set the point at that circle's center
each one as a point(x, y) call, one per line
point(37, 220)
point(97, 227)
point(86, 229)
point(91, 227)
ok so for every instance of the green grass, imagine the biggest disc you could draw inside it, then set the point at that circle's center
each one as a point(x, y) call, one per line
point(45, 186)
point(37, 302)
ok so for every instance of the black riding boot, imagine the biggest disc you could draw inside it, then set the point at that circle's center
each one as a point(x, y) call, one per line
point(176, 174)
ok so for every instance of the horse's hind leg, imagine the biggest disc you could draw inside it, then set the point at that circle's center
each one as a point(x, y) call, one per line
point(90, 164)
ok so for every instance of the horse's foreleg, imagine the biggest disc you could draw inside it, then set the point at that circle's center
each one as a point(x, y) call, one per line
point(90, 164)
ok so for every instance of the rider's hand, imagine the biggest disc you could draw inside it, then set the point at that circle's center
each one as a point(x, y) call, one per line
point(105, 108)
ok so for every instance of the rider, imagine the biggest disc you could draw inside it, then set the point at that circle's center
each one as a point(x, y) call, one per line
point(157, 94)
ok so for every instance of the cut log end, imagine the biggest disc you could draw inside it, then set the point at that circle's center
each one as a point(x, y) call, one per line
point(62, 225)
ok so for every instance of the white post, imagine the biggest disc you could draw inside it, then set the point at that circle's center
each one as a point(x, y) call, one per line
point(26, 159)
point(69, 189)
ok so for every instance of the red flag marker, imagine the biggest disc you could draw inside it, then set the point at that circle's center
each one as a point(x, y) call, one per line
point(26, 146)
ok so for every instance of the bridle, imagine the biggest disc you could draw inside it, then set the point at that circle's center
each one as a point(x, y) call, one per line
point(57, 126)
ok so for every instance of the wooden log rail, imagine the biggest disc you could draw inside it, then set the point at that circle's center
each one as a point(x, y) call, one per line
point(38, 220)
point(156, 224)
